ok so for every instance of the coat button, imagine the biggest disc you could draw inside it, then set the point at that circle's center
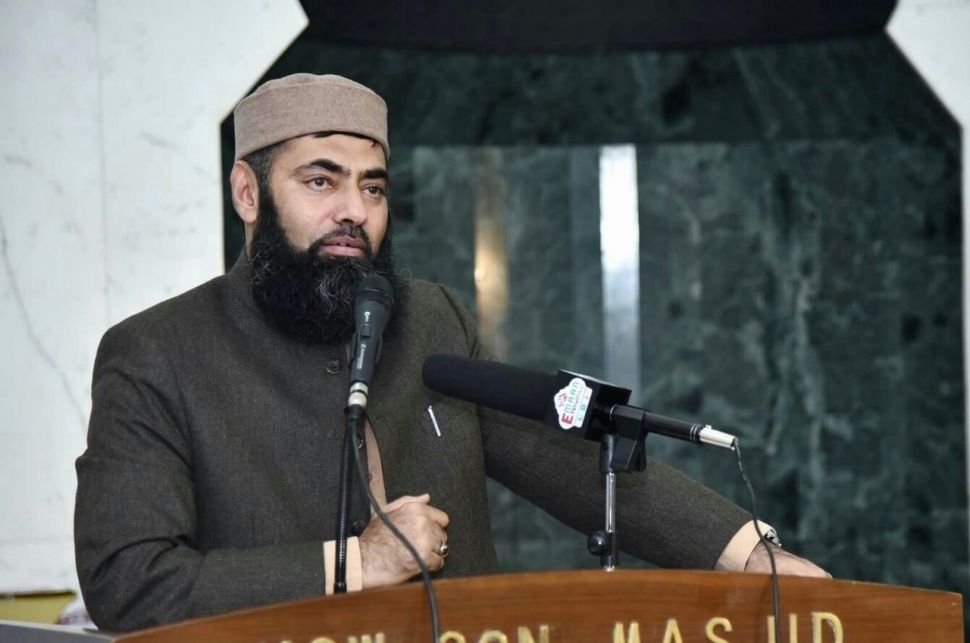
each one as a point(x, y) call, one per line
point(333, 366)
point(357, 527)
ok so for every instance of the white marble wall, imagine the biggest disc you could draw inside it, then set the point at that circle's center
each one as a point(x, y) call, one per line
point(935, 37)
point(110, 200)
point(52, 277)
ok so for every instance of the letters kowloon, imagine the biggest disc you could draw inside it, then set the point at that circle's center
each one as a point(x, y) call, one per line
point(816, 627)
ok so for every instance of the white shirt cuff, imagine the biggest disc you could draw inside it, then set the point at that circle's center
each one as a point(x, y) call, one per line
point(355, 572)
point(735, 555)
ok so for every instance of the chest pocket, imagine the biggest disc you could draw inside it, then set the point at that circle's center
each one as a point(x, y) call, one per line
point(438, 451)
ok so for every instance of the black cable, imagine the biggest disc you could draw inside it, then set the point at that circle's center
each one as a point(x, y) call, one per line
point(775, 593)
point(425, 574)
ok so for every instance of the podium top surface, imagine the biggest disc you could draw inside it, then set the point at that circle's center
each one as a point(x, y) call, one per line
point(589, 606)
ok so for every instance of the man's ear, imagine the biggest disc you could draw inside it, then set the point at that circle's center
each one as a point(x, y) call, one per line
point(245, 192)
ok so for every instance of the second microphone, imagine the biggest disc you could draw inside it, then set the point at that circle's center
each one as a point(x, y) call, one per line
point(574, 404)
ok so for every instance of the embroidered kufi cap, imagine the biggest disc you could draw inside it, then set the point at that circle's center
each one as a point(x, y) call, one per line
point(302, 104)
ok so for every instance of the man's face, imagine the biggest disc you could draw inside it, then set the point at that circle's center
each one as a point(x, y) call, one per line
point(322, 224)
point(326, 186)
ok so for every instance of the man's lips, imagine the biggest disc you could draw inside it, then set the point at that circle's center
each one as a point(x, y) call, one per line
point(344, 247)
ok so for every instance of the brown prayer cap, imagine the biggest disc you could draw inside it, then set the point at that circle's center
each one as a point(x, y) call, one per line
point(302, 104)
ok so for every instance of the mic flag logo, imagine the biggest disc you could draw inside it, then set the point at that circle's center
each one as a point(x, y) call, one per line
point(572, 403)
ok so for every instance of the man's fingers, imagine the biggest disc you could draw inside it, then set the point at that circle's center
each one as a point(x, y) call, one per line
point(421, 506)
point(433, 558)
point(787, 563)
point(397, 503)
point(426, 536)
point(790, 564)
point(423, 526)
point(424, 519)
point(437, 515)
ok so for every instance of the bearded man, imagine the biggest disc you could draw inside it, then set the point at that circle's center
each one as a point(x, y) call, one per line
point(211, 474)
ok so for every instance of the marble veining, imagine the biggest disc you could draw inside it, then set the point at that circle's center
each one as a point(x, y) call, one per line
point(823, 341)
point(35, 341)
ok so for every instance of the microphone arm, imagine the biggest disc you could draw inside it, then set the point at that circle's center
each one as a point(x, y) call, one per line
point(673, 428)
point(570, 403)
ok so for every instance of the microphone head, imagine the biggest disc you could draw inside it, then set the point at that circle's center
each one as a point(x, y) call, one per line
point(373, 305)
point(374, 288)
point(499, 386)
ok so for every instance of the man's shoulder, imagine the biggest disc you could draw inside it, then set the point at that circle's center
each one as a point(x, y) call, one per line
point(430, 304)
point(189, 311)
point(429, 297)
point(434, 319)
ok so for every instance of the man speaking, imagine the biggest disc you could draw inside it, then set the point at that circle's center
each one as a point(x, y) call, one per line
point(211, 473)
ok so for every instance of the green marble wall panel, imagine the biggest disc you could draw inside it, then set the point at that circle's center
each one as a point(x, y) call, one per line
point(805, 294)
point(808, 293)
point(549, 197)
point(433, 217)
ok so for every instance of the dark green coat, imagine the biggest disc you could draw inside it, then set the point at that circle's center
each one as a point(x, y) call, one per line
point(210, 476)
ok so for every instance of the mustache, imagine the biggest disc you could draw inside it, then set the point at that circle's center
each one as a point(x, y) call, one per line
point(343, 230)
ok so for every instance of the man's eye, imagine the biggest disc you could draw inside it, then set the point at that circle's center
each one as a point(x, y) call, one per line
point(375, 190)
point(319, 182)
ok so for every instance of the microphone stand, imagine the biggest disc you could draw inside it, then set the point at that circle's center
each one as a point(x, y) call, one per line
point(354, 414)
point(622, 450)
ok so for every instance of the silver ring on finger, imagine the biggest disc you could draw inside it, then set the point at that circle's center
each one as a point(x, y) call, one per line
point(442, 549)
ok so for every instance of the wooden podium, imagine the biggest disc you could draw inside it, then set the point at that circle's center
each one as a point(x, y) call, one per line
point(596, 606)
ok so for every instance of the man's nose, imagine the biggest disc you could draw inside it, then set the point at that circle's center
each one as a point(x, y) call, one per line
point(352, 208)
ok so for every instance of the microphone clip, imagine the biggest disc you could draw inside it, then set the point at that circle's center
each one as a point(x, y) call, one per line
point(588, 408)
point(582, 404)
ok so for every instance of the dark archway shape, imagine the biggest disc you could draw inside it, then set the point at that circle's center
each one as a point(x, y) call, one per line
point(580, 26)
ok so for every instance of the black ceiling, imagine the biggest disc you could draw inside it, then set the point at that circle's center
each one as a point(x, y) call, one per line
point(579, 26)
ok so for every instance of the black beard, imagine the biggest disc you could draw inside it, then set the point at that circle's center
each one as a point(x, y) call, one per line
point(306, 295)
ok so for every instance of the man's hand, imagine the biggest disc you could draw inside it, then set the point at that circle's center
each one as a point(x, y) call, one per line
point(384, 559)
point(785, 563)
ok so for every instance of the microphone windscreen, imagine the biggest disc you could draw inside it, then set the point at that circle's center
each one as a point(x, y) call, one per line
point(375, 288)
point(498, 386)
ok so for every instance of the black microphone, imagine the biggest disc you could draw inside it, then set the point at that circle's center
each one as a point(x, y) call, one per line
point(372, 310)
point(576, 404)
point(373, 304)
